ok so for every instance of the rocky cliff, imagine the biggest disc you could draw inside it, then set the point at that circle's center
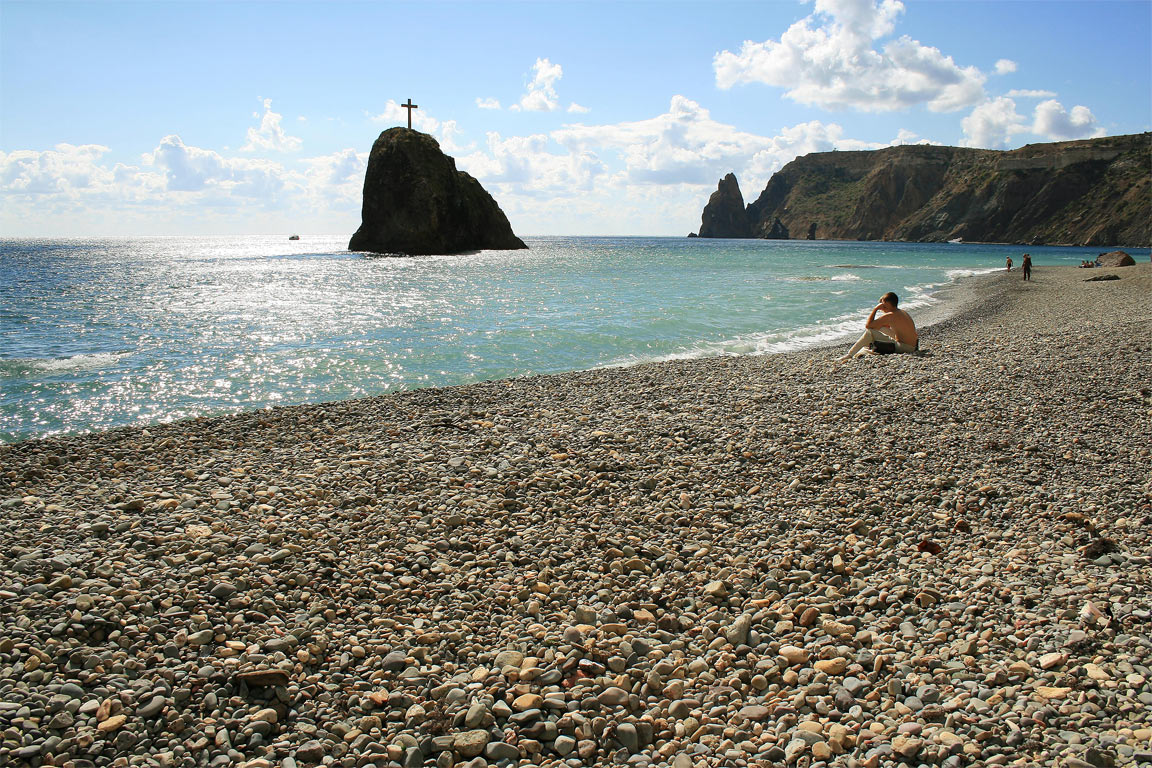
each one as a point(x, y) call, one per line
point(1092, 192)
point(724, 216)
point(416, 202)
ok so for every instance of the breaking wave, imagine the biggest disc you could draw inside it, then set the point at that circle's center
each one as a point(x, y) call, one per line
point(31, 366)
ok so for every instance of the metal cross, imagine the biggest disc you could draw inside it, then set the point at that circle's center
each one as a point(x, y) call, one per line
point(410, 106)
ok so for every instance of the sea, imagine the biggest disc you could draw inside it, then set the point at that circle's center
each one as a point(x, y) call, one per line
point(104, 333)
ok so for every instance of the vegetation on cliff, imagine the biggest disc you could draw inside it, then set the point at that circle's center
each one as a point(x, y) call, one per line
point(1090, 192)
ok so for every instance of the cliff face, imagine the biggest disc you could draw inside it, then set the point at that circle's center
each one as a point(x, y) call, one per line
point(1093, 192)
point(416, 202)
point(724, 215)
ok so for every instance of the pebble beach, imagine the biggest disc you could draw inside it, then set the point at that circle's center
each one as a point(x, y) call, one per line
point(942, 559)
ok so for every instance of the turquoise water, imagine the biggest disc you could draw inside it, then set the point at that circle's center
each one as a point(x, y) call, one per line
point(103, 333)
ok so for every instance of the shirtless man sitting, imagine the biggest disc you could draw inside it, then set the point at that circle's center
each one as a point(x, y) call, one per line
point(893, 326)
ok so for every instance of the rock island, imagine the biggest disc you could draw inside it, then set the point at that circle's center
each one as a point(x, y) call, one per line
point(417, 203)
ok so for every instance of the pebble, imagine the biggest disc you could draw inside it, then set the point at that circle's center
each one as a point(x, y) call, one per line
point(731, 561)
point(154, 706)
point(111, 723)
point(832, 666)
point(794, 655)
point(528, 701)
point(499, 750)
point(311, 751)
point(626, 733)
point(470, 743)
point(613, 697)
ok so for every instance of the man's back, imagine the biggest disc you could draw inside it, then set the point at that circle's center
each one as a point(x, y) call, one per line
point(902, 326)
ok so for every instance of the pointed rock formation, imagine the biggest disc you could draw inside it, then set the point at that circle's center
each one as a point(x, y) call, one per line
point(416, 202)
point(724, 216)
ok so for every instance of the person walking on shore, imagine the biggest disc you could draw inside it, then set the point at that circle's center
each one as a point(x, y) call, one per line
point(1009, 263)
point(891, 331)
point(1026, 265)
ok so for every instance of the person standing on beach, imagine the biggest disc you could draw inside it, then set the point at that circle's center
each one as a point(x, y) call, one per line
point(1009, 262)
point(1026, 265)
point(891, 331)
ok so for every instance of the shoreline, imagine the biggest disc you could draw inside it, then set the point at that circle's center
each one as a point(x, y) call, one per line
point(751, 560)
point(948, 300)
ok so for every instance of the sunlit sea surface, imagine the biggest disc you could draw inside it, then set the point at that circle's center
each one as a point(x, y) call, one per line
point(103, 333)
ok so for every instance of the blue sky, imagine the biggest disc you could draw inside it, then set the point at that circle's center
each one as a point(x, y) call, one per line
point(614, 118)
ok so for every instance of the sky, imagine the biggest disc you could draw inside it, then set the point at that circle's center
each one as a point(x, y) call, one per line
point(580, 118)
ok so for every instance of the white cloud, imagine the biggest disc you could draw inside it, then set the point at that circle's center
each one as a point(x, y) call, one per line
point(335, 182)
point(993, 124)
point(792, 142)
point(192, 169)
point(445, 131)
point(529, 167)
point(173, 171)
point(638, 177)
point(635, 177)
point(541, 93)
point(1027, 94)
point(270, 135)
point(686, 146)
point(339, 168)
point(64, 169)
point(176, 188)
point(1054, 122)
point(1005, 66)
point(187, 169)
point(829, 59)
point(905, 136)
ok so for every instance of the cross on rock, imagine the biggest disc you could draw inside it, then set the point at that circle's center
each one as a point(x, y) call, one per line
point(410, 106)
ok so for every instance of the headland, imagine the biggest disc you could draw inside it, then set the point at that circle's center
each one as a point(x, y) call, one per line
point(1086, 192)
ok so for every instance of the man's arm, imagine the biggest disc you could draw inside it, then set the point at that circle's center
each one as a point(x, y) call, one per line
point(884, 321)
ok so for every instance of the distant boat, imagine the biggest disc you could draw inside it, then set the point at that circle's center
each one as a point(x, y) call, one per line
point(957, 240)
point(294, 237)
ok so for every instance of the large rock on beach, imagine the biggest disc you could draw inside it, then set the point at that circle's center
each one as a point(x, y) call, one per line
point(417, 203)
point(1116, 259)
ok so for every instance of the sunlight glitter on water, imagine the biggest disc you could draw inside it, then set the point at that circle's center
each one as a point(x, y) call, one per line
point(102, 333)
